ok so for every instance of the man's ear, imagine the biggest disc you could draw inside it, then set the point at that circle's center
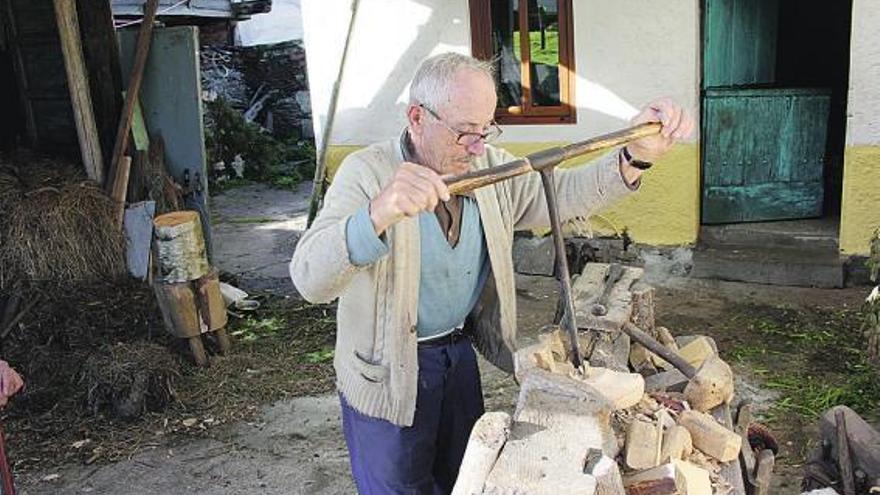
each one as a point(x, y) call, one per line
point(415, 117)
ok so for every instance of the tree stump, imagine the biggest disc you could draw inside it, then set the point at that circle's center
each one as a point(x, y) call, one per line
point(180, 247)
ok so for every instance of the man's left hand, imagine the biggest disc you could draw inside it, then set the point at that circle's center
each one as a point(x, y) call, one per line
point(677, 125)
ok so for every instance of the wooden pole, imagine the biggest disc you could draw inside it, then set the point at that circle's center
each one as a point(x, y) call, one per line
point(321, 166)
point(134, 84)
point(78, 84)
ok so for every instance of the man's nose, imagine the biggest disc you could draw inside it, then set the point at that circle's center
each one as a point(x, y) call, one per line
point(478, 147)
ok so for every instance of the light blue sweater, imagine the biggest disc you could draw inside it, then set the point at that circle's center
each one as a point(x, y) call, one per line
point(451, 279)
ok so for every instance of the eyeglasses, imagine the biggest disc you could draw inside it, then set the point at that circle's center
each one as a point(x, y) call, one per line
point(491, 132)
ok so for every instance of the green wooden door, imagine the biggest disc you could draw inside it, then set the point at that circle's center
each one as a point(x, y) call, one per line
point(763, 154)
point(763, 147)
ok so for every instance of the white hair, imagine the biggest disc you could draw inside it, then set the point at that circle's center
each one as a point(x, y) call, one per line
point(432, 84)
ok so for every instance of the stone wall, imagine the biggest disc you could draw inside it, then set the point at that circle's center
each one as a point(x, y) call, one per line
point(267, 83)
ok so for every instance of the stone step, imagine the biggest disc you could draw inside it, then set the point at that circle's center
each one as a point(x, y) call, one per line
point(772, 265)
point(817, 234)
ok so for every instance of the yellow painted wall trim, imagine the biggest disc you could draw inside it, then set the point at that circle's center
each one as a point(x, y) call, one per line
point(860, 204)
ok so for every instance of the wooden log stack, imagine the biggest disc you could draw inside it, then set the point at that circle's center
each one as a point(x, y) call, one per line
point(187, 287)
point(622, 425)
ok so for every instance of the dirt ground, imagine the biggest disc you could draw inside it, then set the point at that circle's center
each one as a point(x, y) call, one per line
point(296, 446)
point(265, 420)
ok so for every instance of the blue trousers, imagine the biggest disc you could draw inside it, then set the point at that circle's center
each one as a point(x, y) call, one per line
point(423, 458)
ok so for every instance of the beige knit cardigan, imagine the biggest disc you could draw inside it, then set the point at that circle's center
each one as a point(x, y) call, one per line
point(376, 353)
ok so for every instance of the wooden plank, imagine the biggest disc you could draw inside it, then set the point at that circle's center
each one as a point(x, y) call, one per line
point(762, 202)
point(102, 61)
point(80, 94)
point(138, 237)
point(142, 49)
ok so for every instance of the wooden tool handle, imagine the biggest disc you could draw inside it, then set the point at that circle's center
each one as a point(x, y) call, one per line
point(550, 157)
point(659, 349)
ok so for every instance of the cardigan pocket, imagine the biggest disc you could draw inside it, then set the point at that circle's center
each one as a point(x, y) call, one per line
point(373, 372)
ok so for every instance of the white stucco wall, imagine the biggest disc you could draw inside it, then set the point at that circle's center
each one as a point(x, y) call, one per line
point(627, 53)
point(863, 126)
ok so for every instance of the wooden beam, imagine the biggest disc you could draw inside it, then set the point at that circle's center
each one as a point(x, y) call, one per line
point(78, 84)
point(101, 52)
point(134, 84)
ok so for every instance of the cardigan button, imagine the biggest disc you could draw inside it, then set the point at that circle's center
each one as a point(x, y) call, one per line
point(412, 329)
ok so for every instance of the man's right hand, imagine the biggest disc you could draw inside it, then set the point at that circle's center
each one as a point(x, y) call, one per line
point(10, 382)
point(414, 189)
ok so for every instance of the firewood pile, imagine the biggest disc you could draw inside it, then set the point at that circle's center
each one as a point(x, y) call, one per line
point(630, 422)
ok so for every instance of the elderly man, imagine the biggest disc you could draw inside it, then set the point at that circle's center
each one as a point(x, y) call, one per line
point(421, 276)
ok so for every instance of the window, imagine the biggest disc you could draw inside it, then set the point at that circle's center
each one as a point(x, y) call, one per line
point(531, 43)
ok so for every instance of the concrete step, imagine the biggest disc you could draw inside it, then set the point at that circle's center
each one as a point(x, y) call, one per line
point(773, 265)
point(818, 234)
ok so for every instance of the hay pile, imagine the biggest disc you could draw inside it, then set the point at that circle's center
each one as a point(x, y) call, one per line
point(129, 379)
point(56, 226)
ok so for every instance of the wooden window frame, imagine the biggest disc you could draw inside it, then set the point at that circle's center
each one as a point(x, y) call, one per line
point(481, 48)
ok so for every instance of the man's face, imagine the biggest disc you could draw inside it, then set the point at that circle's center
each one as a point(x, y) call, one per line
point(470, 108)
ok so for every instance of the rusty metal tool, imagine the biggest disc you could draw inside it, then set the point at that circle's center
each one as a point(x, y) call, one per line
point(600, 307)
point(544, 162)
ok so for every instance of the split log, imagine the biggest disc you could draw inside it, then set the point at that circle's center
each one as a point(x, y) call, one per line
point(212, 307)
point(711, 437)
point(712, 385)
point(697, 351)
point(642, 440)
point(666, 381)
point(731, 471)
point(177, 302)
point(619, 389)
point(677, 444)
point(180, 247)
point(674, 478)
point(486, 440)
point(766, 461)
point(548, 445)
point(606, 472)
point(588, 288)
point(643, 306)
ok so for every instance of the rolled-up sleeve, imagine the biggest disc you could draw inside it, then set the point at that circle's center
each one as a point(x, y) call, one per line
point(364, 245)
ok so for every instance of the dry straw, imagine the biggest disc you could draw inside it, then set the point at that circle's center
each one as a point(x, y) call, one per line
point(55, 225)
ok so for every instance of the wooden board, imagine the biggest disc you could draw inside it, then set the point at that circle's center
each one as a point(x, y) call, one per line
point(739, 45)
point(763, 154)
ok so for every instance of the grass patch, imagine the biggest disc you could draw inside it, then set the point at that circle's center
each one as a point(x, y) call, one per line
point(812, 358)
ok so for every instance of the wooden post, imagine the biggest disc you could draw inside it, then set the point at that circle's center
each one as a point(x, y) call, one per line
point(119, 188)
point(134, 83)
point(78, 84)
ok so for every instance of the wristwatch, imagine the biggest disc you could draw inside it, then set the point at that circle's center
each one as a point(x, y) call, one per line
point(639, 164)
